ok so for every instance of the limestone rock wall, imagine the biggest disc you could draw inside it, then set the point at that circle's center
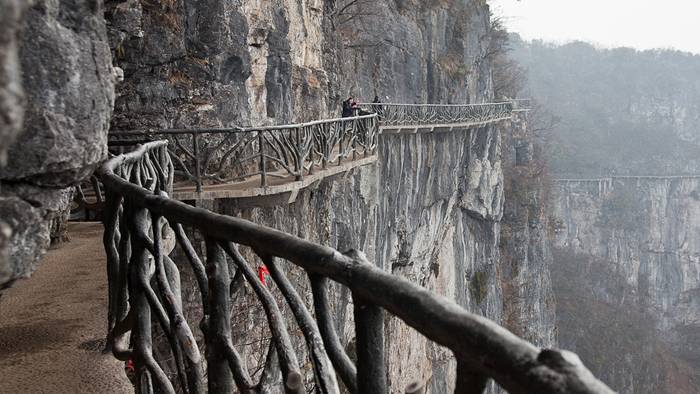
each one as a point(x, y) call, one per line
point(235, 62)
point(525, 246)
point(11, 92)
point(218, 63)
point(414, 51)
point(659, 255)
point(68, 82)
point(440, 201)
point(646, 232)
point(11, 113)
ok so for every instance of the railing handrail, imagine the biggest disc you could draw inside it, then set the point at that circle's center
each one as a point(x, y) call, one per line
point(235, 129)
point(612, 177)
point(483, 349)
point(295, 149)
point(399, 115)
point(301, 147)
point(436, 105)
point(238, 129)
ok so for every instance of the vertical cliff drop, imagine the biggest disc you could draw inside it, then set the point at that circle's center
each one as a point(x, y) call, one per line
point(628, 253)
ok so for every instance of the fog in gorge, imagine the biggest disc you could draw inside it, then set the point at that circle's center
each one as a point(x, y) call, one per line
point(622, 144)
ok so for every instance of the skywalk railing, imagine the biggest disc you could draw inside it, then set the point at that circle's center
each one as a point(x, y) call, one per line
point(522, 104)
point(143, 225)
point(391, 114)
point(225, 155)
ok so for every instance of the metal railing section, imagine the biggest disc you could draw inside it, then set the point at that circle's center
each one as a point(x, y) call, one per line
point(391, 114)
point(523, 103)
point(142, 226)
point(215, 156)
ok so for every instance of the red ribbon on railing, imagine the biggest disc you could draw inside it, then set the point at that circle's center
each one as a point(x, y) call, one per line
point(262, 271)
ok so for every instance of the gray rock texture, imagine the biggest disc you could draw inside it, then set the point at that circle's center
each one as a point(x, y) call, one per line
point(67, 77)
point(525, 243)
point(27, 234)
point(220, 63)
point(440, 201)
point(11, 93)
point(644, 232)
point(11, 111)
point(415, 51)
point(69, 86)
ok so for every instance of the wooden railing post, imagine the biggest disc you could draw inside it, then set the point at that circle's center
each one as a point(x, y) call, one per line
point(325, 136)
point(218, 329)
point(197, 168)
point(369, 332)
point(354, 138)
point(298, 153)
point(369, 340)
point(341, 132)
point(469, 382)
point(315, 131)
point(372, 132)
point(263, 170)
point(341, 362)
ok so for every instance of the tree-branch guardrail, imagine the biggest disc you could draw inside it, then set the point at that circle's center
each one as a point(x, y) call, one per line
point(224, 155)
point(391, 114)
point(144, 290)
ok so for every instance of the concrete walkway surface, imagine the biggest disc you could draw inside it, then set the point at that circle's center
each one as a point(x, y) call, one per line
point(52, 325)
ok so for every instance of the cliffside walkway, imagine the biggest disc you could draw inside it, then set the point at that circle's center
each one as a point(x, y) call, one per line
point(143, 224)
point(248, 162)
point(604, 184)
point(52, 327)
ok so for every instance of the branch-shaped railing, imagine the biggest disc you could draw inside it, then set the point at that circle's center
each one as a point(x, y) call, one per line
point(215, 156)
point(438, 114)
point(142, 226)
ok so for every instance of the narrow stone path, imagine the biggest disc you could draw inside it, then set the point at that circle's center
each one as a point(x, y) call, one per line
point(52, 326)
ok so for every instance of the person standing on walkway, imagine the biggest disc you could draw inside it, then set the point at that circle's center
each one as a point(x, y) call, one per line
point(348, 107)
point(377, 107)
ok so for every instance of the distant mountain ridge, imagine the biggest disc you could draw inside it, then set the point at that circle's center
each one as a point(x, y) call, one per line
point(621, 110)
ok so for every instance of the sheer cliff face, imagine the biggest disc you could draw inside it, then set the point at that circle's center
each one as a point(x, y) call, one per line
point(415, 51)
point(529, 305)
point(645, 234)
point(234, 62)
point(218, 62)
point(439, 201)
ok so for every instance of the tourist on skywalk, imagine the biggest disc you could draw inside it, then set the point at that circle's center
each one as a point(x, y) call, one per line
point(348, 107)
point(377, 107)
point(357, 111)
